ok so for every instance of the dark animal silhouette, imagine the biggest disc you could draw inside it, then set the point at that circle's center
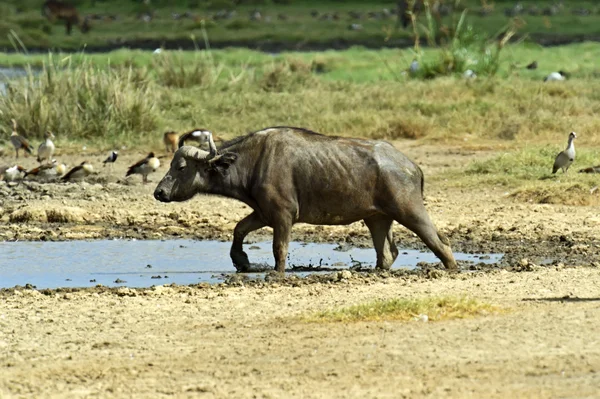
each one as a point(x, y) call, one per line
point(405, 7)
point(58, 10)
point(291, 175)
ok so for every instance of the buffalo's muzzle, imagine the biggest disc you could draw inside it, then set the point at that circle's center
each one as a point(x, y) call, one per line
point(161, 195)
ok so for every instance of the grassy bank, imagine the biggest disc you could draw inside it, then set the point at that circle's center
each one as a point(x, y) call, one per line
point(355, 93)
point(282, 24)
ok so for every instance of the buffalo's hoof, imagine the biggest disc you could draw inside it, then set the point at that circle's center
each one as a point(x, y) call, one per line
point(241, 262)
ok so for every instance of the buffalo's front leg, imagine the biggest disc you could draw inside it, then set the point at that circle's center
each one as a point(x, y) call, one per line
point(281, 239)
point(242, 229)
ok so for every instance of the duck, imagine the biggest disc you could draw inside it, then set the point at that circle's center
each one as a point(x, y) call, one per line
point(19, 141)
point(144, 167)
point(46, 149)
point(61, 168)
point(170, 140)
point(112, 157)
point(79, 172)
point(556, 76)
point(591, 169)
point(43, 171)
point(11, 173)
point(532, 65)
point(565, 158)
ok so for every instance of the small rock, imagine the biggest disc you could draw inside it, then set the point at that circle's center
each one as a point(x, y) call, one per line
point(344, 275)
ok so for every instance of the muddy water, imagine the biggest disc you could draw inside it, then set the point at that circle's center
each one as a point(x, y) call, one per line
point(145, 263)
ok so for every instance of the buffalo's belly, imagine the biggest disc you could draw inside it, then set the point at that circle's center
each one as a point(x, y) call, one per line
point(334, 213)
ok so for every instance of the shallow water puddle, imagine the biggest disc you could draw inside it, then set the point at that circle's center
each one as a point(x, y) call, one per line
point(145, 263)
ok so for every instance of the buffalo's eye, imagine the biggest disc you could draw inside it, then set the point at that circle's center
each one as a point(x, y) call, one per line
point(181, 168)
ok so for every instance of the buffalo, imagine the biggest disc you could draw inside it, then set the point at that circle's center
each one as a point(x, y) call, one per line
point(291, 175)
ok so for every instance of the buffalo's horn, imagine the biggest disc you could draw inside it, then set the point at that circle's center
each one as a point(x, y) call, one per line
point(211, 145)
point(196, 153)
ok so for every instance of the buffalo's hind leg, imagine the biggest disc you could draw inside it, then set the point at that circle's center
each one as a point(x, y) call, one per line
point(282, 231)
point(242, 229)
point(381, 231)
point(417, 220)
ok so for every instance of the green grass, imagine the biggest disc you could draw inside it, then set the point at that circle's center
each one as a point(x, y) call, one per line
point(436, 309)
point(300, 28)
point(130, 94)
point(356, 65)
point(527, 175)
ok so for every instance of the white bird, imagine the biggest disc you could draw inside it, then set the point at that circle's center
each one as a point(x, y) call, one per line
point(111, 158)
point(157, 51)
point(555, 77)
point(565, 158)
point(46, 149)
point(61, 168)
point(199, 135)
point(144, 167)
point(469, 74)
point(79, 172)
point(414, 66)
point(11, 173)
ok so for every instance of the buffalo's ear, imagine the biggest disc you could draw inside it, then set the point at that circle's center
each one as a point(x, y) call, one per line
point(221, 163)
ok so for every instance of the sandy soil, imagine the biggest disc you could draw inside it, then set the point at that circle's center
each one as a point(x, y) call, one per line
point(247, 340)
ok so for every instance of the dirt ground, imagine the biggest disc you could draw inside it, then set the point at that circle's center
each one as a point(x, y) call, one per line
point(248, 340)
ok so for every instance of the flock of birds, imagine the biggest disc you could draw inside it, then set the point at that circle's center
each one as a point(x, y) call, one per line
point(50, 169)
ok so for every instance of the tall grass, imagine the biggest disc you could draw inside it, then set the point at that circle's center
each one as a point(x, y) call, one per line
point(459, 47)
point(84, 102)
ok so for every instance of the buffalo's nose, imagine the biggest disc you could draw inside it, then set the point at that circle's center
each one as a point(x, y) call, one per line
point(160, 195)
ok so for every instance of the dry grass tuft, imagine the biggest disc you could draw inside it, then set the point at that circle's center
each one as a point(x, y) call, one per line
point(436, 309)
point(579, 194)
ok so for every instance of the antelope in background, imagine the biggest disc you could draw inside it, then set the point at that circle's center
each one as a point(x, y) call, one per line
point(59, 10)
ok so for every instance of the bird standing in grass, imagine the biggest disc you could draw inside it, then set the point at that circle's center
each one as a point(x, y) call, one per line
point(565, 158)
point(46, 149)
point(144, 167)
point(79, 172)
point(591, 169)
point(556, 77)
point(112, 157)
point(18, 141)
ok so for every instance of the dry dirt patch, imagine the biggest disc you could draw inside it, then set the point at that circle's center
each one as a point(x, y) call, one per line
point(250, 342)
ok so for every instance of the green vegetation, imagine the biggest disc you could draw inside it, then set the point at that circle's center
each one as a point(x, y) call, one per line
point(357, 92)
point(288, 23)
point(528, 174)
point(436, 309)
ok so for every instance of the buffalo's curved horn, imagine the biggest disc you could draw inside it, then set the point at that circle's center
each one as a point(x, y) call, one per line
point(196, 153)
point(211, 145)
